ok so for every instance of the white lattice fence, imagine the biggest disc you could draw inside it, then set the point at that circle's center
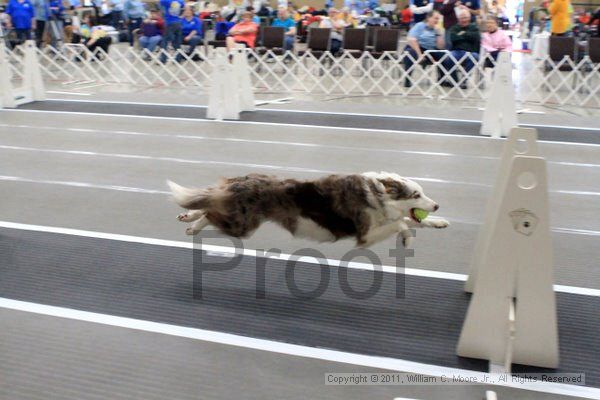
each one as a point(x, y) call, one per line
point(538, 81)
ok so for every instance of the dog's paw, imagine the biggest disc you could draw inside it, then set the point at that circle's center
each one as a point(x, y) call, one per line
point(438, 223)
point(408, 239)
point(191, 231)
point(183, 217)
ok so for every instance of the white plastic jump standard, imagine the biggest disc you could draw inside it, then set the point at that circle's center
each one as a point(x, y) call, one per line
point(33, 84)
point(224, 99)
point(241, 71)
point(500, 114)
point(512, 314)
point(521, 141)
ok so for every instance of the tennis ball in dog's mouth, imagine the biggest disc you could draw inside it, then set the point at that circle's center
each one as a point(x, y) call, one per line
point(419, 214)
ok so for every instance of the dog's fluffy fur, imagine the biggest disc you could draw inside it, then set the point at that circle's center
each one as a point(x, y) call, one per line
point(369, 207)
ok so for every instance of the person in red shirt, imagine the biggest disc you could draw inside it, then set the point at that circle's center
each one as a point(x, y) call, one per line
point(406, 17)
point(243, 32)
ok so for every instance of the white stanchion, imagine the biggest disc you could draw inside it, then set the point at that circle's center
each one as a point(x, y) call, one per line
point(32, 88)
point(521, 141)
point(7, 99)
point(224, 99)
point(241, 71)
point(512, 314)
point(500, 114)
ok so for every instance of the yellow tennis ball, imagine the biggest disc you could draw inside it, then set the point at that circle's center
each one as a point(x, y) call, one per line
point(420, 214)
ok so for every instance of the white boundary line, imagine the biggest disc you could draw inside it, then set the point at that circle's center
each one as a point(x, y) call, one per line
point(323, 112)
point(304, 145)
point(246, 165)
point(223, 250)
point(286, 348)
point(200, 120)
point(566, 231)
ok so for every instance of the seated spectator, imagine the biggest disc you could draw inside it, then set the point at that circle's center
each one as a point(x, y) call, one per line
point(283, 20)
point(355, 6)
point(21, 15)
point(255, 18)
point(465, 42)
point(191, 28)
point(378, 18)
point(222, 27)
point(495, 40)
point(336, 26)
point(244, 32)
point(94, 37)
point(424, 36)
point(406, 17)
point(348, 18)
point(152, 30)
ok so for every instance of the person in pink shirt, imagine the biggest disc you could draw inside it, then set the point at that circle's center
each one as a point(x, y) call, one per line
point(495, 40)
point(243, 32)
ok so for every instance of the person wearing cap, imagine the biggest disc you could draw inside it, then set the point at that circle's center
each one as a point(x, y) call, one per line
point(336, 26)
point(244, 32)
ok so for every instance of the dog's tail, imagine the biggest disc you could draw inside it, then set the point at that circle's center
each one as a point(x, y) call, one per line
point(188, 198)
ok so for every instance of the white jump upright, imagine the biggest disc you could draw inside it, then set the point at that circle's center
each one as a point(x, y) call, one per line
point(512, 314)
point(241, 70)
point(32, 88)
point(224, 99)
point(500, 114)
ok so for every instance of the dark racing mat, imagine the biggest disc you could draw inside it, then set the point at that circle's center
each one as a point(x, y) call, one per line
point(411, 318)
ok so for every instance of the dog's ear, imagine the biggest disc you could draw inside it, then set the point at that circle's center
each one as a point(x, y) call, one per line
point(397, 190)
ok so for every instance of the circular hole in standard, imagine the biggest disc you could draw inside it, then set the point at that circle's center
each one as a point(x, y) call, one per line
point(526, 180)
point(521, 146)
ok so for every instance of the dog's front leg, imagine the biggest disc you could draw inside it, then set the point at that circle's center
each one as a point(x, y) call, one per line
point(437, 223)
point(381, 233)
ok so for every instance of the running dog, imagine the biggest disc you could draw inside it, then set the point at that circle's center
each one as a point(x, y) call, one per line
point(369, 207)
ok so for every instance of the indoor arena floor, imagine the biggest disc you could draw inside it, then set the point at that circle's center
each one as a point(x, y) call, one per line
point(87, 312)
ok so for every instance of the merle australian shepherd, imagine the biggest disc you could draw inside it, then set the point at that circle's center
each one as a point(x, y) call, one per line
point(369, 207)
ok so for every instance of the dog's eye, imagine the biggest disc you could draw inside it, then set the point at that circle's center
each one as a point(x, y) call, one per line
point(416, 196)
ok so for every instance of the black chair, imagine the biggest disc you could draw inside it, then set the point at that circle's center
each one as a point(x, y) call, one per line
point(371, 32)
point(272, 38)
point(559, 48)
point(594, 49)
point(318, 41)
point(355, 41)
point(386, 40)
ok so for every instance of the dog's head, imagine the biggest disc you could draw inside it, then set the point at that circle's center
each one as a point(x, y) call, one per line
point(401, 194)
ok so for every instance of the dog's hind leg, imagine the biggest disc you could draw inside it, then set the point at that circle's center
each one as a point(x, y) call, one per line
point(197, 225)
point(190, 216)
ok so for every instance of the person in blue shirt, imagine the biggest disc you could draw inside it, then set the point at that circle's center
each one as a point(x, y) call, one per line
point(21, 15)
point(283, 20)
point(424, 36)
point(357, 6)
point(42, 13)
point(116, 13)
point(191, 28)
point(173, 33)
point(134, 14)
